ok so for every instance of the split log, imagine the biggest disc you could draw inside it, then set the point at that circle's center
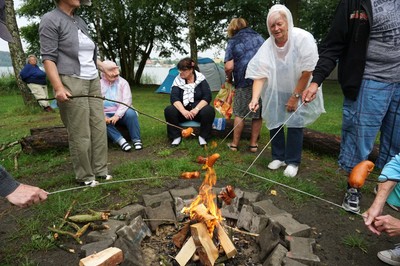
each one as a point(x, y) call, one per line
point(109, 256)
point(226, 242)
point(186, 252)
point(43, 139)
point(205, 248)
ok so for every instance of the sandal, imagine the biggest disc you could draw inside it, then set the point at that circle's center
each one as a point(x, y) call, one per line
point(253, 148)
point(138, 145)
point(232, 147)
point(126, 147)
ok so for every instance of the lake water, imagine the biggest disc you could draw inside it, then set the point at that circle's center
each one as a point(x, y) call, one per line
point(155, 74)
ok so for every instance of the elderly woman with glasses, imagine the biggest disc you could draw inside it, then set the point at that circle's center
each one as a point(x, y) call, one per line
point(190, 100)
point(117, 89)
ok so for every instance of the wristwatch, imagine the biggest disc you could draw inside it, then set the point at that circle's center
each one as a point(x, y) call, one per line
point(296, 95)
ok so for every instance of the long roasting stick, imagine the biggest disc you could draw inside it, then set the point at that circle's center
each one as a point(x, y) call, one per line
point(280, 128)
point(130, 107)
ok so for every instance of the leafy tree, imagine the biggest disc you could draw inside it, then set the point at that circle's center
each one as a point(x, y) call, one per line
point(316, 17)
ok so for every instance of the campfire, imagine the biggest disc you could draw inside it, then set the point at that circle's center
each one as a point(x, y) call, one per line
point(203, 238)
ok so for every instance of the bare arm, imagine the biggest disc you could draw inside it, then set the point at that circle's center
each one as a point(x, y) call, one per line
point(376, 208)
point(257, 88)
point(229, 65)
point(292, 103)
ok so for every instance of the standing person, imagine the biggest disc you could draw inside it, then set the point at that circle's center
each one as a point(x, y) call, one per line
point(242, 46)
point(116, 88)
point(281, 70)
point(19, 194)
point(365, 42)
point(377, 223)
point(70, 60)
point(190, 100)
point(35, 78)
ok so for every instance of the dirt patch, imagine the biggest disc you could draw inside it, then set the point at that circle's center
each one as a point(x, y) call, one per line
point(330, 224)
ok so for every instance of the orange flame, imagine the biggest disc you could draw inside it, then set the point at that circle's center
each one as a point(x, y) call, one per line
point(211, 214)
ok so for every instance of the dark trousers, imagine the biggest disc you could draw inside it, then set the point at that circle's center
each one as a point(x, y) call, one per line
point(205, 117)
point(291, 152)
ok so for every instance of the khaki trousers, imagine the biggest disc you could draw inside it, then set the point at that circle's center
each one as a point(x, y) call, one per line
point(40, 92)
point(87, 135)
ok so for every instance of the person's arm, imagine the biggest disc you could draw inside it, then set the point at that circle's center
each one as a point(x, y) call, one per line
point(257, 88)
point(387, 224)
point(60, 93)
point(330, 50)
point(228, 66)
point(292, 102)
point(175, 98)
point(19, 194)
point(384, 189)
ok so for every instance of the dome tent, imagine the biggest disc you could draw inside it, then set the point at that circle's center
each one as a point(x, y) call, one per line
point(214, 74)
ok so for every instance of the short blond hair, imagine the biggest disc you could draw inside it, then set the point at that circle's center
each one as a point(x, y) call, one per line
point(236, 25)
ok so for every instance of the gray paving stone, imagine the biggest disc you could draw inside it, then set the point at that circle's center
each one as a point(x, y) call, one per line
point(135, 232)
point(301, 250)
point(185, 193)
point(250, 197)
point(95, 247)
point(292, 226)
point(289, 262)
point(105, 234)
point(154, 201)
point(164, 214)
point(245, 218)
point(266, 207)
point(276, 257)
point(129, 212)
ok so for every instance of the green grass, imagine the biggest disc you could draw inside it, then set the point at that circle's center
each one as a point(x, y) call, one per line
point(52, 170)
point(356, 241)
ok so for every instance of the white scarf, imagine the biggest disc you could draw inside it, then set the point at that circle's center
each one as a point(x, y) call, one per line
point(188, 88)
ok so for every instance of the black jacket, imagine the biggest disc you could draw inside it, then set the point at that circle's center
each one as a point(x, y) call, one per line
point(347, 44)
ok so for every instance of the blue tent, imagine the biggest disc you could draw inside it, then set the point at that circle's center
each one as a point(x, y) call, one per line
point(214, 74)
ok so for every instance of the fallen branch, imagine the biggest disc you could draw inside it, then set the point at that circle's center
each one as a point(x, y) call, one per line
point(240, 231)
point(62, 232)
point(8, 145)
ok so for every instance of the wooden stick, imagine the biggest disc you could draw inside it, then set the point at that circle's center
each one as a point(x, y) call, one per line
point(226, 243)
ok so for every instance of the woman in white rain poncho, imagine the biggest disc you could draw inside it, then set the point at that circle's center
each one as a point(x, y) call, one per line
point(281, 70)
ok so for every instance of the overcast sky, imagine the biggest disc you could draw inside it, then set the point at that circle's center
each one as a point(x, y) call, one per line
point(23, 22)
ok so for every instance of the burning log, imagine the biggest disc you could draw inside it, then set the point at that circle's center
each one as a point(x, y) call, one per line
point(205, 247)
point(179, 238)
point(226, 243)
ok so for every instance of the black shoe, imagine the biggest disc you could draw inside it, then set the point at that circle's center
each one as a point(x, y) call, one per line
point(104, 177)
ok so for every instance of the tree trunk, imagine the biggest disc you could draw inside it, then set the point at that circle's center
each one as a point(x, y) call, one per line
point(293, 6)
point(17, 53)
point(192, 31)
point(43, 139)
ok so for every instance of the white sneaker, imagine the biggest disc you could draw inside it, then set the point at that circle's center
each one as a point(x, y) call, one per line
point(276, 164)
point(391, 256)
point(291, 170)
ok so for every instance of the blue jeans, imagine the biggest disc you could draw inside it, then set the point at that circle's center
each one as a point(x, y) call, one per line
point(130, 121)
point(376, 109)
point(290, 150)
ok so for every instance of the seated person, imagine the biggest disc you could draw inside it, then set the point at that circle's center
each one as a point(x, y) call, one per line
point(35, 78)
point(116, 88)
point(190, 100)
point(378, 223)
